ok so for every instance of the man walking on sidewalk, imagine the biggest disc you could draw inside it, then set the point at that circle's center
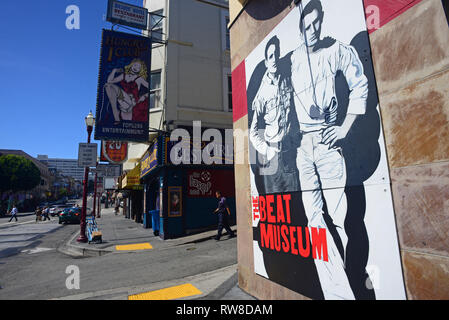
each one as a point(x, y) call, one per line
point(223, 212)
point(13, 213)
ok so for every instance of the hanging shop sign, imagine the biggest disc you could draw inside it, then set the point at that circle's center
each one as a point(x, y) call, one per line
point(150, 160)
point(114, 151)
point(123, 88)
point(127, 14)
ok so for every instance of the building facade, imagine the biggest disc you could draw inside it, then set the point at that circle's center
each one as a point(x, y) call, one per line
point(190, 81)
point(408, 44)
point(67, 167)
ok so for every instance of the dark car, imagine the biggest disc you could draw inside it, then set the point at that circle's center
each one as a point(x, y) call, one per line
point(57, 209)
point(70, 215)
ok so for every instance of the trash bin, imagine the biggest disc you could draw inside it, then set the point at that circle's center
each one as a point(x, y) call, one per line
point(155, 221)
point(147, 220)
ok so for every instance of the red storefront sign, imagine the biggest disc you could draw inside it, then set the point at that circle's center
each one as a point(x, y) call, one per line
point(114, 151)
point(204, 183)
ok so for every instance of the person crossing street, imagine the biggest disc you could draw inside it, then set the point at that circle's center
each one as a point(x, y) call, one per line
point(45, 213)
point(13, 213)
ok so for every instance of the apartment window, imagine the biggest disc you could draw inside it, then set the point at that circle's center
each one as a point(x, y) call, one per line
point(155, 90)
point(156, 24)
point(229, 92)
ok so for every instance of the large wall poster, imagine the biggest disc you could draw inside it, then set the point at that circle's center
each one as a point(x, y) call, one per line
point(123, 87)
point(323, 218)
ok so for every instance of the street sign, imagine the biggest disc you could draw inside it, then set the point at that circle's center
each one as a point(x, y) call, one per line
point(127, 14)
point(110, 183)
point(108, 170)
point(87, 155)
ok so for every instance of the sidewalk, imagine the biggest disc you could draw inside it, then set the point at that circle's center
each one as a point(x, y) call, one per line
point(121, 235)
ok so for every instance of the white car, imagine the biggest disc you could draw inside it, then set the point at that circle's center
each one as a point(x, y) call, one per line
point(55, 210)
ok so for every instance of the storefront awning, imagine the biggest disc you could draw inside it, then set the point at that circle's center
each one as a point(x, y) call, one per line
point(132, 178)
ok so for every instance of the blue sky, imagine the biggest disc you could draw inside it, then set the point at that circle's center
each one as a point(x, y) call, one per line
point(49, 74)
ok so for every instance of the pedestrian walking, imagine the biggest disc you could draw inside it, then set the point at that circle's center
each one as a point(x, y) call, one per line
point(45, 213)
point(38, 213)
point(13, 213)
point(223, 216)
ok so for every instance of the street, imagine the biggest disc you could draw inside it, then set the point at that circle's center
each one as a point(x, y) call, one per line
point(31, 267)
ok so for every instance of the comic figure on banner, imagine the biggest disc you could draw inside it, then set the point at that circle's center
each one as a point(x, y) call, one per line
point(123, 87)
point(123, 91)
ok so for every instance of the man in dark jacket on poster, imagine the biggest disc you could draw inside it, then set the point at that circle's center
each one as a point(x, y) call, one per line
point(223, 220)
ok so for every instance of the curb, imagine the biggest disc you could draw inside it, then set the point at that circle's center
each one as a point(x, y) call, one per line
point(203, 281)
point(78, 251)
point(222, 289)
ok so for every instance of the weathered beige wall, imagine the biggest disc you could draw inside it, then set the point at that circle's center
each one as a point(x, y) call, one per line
point(411, 61)
point(235, 7)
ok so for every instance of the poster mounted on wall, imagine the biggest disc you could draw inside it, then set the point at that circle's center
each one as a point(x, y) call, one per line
point(123, 87)
point(322, 213)
point(174, 201)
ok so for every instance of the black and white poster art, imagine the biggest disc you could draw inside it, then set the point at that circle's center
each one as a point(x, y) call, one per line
point(322, 212)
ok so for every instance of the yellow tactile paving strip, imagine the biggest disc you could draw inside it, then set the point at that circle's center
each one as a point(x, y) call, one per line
point(137, 246)
point(171, 293)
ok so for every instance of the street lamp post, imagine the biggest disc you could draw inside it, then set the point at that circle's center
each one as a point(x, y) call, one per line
point(82, 237)
point(99, 206)
point(95, 193)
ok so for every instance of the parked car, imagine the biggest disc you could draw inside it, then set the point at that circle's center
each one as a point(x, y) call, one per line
point(57, 209)
point(70, 215)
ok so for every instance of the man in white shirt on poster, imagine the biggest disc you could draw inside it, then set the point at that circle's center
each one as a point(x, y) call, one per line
point(321, 165)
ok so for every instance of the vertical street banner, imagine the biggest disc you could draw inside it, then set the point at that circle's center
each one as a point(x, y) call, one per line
point(123, 87)
point(322, 211)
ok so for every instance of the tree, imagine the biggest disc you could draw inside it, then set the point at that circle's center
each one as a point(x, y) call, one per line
point(18, 173)
point(63, 192)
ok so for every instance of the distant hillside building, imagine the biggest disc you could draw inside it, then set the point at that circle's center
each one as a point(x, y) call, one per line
point(67, 167)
